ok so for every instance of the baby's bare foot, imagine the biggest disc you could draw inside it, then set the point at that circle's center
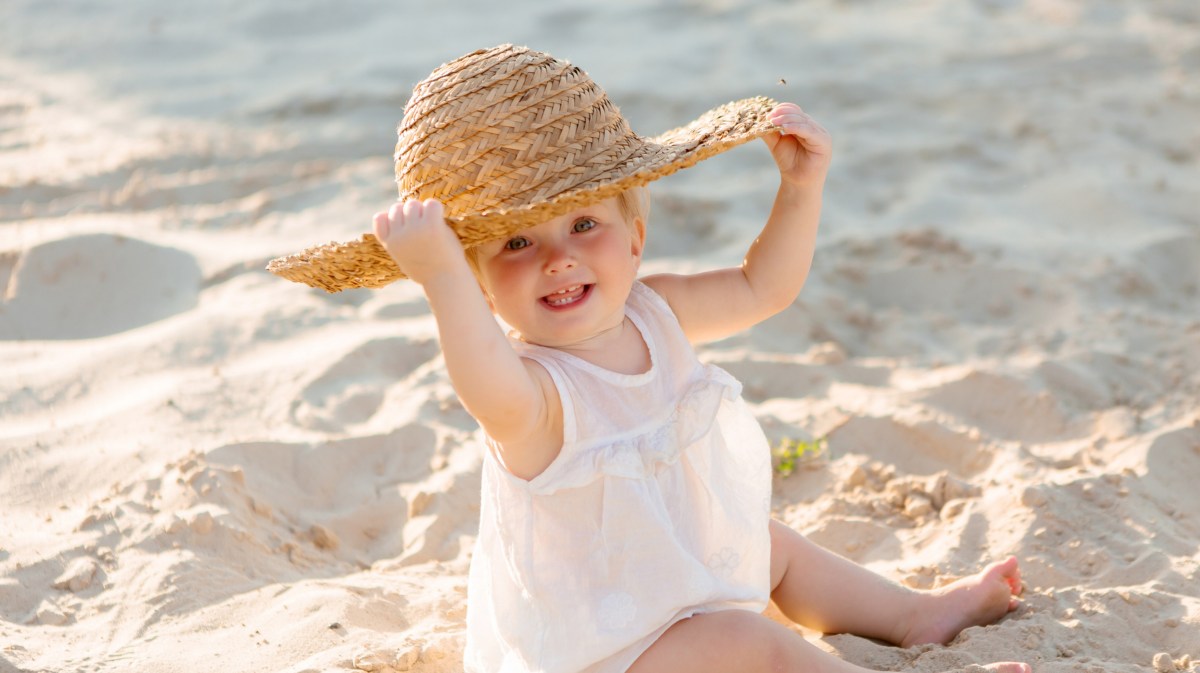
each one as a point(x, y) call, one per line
point(979, 599)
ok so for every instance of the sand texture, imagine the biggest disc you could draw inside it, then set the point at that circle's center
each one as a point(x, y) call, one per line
point(206, 468)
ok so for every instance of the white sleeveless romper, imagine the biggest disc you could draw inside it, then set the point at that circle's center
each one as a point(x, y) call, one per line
point(656, 509)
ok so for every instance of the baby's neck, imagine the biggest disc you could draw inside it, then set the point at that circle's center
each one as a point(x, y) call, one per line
point(620, 349)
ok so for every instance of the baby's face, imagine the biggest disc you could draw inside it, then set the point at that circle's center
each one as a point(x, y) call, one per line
point(566, 280)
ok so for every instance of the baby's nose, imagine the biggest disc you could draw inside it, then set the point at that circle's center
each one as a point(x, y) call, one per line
point(559, 259)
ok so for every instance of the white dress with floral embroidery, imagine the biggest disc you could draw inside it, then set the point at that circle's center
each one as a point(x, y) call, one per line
point(656, 509)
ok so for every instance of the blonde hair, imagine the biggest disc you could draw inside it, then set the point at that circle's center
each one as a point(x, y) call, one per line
point(633, 203)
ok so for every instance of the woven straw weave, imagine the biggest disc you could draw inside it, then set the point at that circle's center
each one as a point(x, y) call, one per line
point(509, 137)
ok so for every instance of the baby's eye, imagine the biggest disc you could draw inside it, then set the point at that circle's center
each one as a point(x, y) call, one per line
point(583, 225)
point(516, 243)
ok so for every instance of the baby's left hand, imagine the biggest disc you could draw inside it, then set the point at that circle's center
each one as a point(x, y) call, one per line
point(802, 150)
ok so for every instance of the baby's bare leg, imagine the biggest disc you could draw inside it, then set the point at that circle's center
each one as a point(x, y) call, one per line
point(736, 640)
point(826, 592)
point(747, 642)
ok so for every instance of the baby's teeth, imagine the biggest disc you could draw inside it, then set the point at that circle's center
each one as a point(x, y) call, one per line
point(556, 298)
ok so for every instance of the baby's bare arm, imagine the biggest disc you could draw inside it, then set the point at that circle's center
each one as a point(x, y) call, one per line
point(490, 379)
point(716, 304)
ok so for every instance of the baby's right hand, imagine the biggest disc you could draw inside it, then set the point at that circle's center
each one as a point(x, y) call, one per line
point(417, 237)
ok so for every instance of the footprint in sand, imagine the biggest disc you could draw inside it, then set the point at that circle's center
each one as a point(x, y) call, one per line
point(1003, 407)
point(1173, 460)
point(95, 285)
point(767, 379)
point(1171, 268)
point(351, 390)
point(1095, 380)
point(923, 449)
point(975, 294)
point(344, 498)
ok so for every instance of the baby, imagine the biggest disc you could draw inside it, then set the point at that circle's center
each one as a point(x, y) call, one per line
point(625, 521)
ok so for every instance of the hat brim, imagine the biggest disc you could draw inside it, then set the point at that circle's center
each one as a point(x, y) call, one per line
point(364, 263)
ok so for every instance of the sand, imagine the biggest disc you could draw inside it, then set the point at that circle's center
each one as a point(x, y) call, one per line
point(206, 468)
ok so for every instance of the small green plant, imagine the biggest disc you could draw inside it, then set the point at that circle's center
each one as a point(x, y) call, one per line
point(798, 453)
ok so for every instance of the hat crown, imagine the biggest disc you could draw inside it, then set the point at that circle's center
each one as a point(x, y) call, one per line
point(507, 127)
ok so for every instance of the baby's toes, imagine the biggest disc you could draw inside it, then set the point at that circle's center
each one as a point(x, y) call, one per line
point(1014, 585)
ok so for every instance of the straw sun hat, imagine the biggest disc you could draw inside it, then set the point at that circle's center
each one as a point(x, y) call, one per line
point(509, 137)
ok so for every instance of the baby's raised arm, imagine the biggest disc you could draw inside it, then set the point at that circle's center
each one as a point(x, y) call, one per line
point(716, 304)
point(507, 396)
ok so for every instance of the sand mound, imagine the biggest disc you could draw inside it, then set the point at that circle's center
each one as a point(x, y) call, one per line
point(95, 285)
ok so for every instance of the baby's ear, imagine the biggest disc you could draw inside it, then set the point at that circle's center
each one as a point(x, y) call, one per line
point(639, 237)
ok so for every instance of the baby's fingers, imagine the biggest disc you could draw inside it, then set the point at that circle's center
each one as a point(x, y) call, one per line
point(806, 130)
point(793, 121)
point(409, 221)
point(414, 210)
point(382, 226)
point(432, 208)
point(396, 214)
point(786, 112)
point(784, 108)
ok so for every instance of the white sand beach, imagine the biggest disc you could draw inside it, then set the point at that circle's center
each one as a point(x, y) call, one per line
point(204, 467)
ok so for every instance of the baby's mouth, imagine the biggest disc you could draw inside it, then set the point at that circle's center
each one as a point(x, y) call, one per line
point(567, 296)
